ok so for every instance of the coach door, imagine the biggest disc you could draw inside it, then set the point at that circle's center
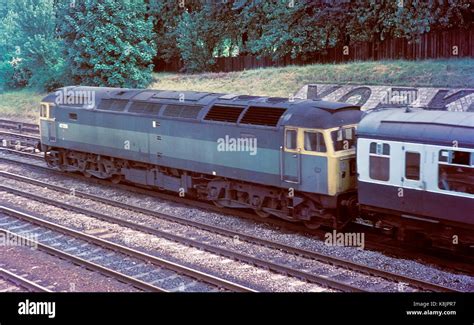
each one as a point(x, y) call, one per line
point(413, 182)
point(290, 156)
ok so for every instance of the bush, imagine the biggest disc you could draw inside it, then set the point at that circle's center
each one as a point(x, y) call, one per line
point(109, 43)
point(30, 51)
point(12, 75)
point(44, 60)
point(194, 42)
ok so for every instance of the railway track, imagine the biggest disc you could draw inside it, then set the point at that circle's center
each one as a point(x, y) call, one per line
point(280, 268)
point(19, 126)
point(83, 262)
point(18, 140)
point(20, 282)
point(319, 257)
point(9, 286)
point(116, 260)
point(374, 241)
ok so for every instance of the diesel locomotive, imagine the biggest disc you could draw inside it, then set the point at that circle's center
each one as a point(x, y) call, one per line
point(290, 158)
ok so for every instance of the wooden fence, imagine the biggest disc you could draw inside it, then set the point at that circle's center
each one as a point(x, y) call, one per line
point(437, 44)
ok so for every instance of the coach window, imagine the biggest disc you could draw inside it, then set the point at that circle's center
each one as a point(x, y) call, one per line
point(412, 166)
point(314, 141)
point(456, 171)
point(379, 161)
point(290, 139)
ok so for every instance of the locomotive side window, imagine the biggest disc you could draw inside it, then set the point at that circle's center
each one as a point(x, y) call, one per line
point(455, 171)
point(344, 138)
point(290, 139)
point(412, 166)
point(314, 141)
point(379, 161)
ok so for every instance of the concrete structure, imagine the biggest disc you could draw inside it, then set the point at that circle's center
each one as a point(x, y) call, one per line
point(370, 97)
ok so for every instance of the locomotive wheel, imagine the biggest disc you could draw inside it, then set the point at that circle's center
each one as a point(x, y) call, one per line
point(262, 214)
point(217, 204)
point(50, 164)
point(86, 174)
point(50, 161)
point(312, 225)
point(116, 179)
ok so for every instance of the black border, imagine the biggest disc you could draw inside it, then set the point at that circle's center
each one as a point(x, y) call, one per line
point(365, 307)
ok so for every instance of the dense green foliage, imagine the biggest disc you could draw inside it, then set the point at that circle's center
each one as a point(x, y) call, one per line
point(29, 45)
point(199, 32)
point(47, 43)
point(108, 42)
point(377, 20)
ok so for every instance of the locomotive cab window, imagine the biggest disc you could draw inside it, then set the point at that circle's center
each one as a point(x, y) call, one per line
point(379, 161)
point(314, 141)
point(412, 166)
point(290, 139)
point(44, 110)
point(344, 138)
point(456, 171)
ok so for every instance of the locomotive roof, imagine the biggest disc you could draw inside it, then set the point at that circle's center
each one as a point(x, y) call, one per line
point(298, 112)
point(430, 127)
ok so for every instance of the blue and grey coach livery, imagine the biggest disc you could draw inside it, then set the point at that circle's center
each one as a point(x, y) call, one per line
point(416, 173)
point(294, 159)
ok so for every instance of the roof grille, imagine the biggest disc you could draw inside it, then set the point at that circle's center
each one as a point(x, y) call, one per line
point(268, 116)
point(183, 111)
point(223, 113)
point(145, 108)
point(116, 105)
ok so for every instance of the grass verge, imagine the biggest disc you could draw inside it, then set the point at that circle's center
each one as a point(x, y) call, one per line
point(23, 104)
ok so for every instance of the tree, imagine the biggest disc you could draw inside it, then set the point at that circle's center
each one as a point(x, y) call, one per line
point(108, 43)
point(376, 20)
point(167, 14)
point(31, 52)
point(299, 28)
point(250, 19)
point(203, 35)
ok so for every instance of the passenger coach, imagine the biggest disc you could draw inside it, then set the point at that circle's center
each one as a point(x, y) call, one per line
point(416, 173)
